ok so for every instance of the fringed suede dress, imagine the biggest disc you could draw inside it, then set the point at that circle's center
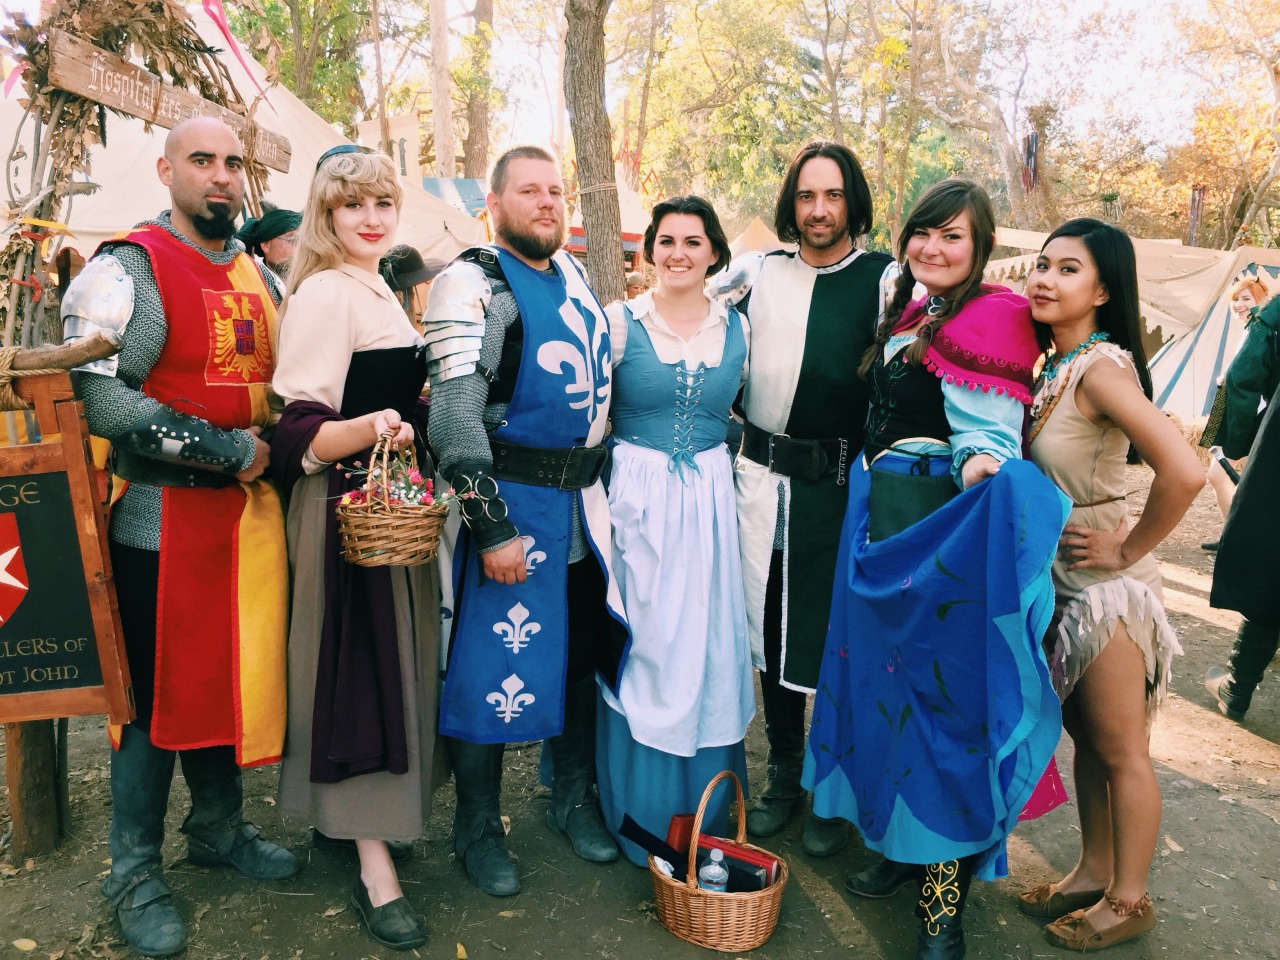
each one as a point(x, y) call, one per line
point(1087, 462)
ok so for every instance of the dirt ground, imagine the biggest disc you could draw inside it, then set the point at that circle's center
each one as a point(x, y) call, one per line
point(1214, 880)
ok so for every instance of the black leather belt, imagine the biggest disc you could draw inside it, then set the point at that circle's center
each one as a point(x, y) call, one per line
point(571, 468)
point(793, 457)
point(161, 473)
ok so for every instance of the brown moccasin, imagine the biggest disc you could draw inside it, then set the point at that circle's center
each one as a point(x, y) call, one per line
point(1049, 902)
point(1075, 932)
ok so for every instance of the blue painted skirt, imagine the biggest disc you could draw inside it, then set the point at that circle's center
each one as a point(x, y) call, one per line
point(934, 715)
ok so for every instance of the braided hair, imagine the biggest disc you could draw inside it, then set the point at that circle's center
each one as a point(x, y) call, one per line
point(937, 207)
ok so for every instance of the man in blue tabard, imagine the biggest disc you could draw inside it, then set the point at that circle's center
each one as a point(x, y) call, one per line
point(520, 382)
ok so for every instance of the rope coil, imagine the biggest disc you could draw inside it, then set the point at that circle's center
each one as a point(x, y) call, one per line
point(9, 400)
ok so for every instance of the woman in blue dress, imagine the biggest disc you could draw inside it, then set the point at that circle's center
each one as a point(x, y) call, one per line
point(685, 697)
point(934, 715)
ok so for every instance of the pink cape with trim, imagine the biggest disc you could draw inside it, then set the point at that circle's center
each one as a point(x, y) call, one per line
point(989, 345)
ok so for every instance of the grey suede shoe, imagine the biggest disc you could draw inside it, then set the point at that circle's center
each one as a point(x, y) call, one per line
point(769, 815)
point(244, 850)
point(824, 838)
point(148, 920)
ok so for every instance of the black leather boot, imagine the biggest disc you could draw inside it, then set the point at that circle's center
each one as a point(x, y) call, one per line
point(217, 833)
point(479, 841)
point(782, 796)
point(944, 888)
point(575, 808)
point(1251, 653)
point(140, 778)
point(884, 879)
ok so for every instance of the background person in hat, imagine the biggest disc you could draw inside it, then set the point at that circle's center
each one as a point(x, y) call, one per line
point(410, 277)
point(272, 238)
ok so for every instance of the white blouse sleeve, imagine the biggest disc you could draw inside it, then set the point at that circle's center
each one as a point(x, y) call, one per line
point(316, 341)
point(617, 330)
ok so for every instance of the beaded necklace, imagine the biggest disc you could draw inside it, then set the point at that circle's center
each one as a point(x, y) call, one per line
point(1041, 409)
point(1055, 363)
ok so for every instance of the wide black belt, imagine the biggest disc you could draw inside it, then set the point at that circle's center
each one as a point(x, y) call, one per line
point(161, 473)
point(793, 457)
point(570, 468)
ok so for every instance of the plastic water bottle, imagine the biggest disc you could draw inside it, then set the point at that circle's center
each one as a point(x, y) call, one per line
point(714, 875)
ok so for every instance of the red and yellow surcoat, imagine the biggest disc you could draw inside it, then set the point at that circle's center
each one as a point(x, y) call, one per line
point(223, 589)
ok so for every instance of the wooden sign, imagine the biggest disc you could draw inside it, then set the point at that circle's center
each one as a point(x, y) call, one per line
point(61, 646)
point(81, 68)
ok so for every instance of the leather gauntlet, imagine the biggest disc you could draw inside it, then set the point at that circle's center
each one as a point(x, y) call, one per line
point(177, 438)
point(483, 509)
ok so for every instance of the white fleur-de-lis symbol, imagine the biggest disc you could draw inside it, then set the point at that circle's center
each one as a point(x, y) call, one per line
point(554, 356)
point(515, 632)
point(532, 557)
point(511, 704)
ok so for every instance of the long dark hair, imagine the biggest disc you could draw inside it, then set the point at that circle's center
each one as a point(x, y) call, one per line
point(699, 208)
point(1121, 315)
point(857, 194)
point(937, 206)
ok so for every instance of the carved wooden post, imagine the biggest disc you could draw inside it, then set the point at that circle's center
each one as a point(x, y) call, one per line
point(30, 769)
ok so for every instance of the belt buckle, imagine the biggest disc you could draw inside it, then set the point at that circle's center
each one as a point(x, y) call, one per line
point(572, 457)
point(773, 437)
point(564, 469)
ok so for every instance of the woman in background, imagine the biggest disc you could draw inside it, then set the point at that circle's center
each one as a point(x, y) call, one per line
point(1235, 414)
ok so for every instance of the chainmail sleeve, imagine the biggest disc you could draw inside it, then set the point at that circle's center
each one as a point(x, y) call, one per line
point(461, 416)
point(115, 406)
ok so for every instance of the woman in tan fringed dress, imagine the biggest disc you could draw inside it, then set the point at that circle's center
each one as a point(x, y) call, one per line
point(1110, 644)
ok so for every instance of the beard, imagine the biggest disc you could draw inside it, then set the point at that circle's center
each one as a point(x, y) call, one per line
point(281, 270)
point(531, 246)
point(837, 235)
point(220, 224)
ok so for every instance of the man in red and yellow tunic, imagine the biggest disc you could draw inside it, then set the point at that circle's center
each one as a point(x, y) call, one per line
point(197, 533)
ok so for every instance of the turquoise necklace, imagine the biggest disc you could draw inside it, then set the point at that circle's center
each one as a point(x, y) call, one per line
point(1056, 363)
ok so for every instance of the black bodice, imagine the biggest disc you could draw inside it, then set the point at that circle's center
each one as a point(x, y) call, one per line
point(905, 401)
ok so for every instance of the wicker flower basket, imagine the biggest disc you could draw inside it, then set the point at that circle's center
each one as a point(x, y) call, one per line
point(378, 533)
point(728, 922)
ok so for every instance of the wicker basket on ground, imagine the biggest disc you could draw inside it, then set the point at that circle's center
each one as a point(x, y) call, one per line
point(728, 922)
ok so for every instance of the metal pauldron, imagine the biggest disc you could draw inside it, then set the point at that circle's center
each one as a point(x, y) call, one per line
point(99, 298)
point(454, 321)
point(735, 281)
point(174, 437)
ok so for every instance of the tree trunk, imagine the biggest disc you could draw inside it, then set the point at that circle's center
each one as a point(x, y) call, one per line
point(650, 62)
point(441, 92)
point(475, 149)
point(301, 63)
point(593, 144)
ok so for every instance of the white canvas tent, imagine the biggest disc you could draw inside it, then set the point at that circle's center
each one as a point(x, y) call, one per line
point(131, 191)
point(1184, 306)
point(757, 238)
